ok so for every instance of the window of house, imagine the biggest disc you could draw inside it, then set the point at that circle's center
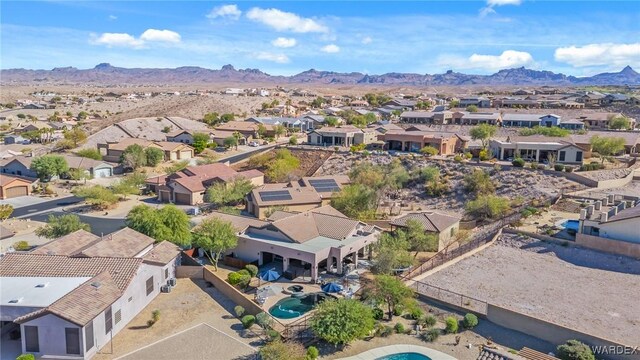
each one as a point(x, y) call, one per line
point(108, 321)
point(578, 156)
point(149, 285)
point(72, 337)
point(118, 316)
point(31, 341)
point(561, 156)
point(453, 231)
point(166, 273)
point(88, 337)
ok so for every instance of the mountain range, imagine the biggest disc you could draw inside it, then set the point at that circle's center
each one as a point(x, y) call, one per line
point(107, 74)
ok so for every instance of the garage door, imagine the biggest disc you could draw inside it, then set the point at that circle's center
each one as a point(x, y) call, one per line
point(183, 199)
point(185, 154)
point(17, 191)
point(100, 173)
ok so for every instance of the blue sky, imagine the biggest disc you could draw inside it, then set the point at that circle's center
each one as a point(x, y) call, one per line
point(574, 37)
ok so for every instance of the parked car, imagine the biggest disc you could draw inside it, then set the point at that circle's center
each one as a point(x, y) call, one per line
point(254, 144)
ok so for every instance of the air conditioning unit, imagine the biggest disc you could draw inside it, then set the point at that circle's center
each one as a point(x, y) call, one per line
point(165, 289)
point(171, 282)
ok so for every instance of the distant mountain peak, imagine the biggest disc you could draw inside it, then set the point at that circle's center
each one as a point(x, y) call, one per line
point(628, 70)
point(228, 67)
point(103, 66)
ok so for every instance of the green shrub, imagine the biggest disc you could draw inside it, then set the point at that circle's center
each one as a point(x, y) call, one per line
point(533, 166)
point(568, 169)
point(416, 313)
point(26, 357)
point(431, 335)
point(155, 315)
point(234, 278)
point(398, 310)
point(312, 353)
point(574, 350)
point(518, 162)
point(451, 325)
point(252, 269)
point(470, 321)
point(239, 310)
point(273, 335)
point(399, 328)
point(468, 155)
point(264, 320)
point(21, 245)
point(385, 331)
point(248, 321)
point(457, 158)
point(429, 321)
point(293, 140)
point(378, 313)
point(558, 167)
point(484, 155)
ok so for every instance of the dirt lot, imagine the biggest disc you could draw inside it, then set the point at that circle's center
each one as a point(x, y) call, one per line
point(582, 289)
point(310, 160)
point(510, 183)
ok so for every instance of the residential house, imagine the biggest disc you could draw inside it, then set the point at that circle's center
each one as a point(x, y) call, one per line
point(612, 218)
point(71, 296)
point(112, 151)
point(34, 126)
point(296, 196)
point(476, 118)
point(6, 154)
point(592, 99)
point(531, 120)
point(403, 104)
point(181, 136)
point(444, 226)
point(333, 136)
point(366, 136)
point(18, 165)
point(537, 148)
point(479, 101)
point(601, 120)
point(188, 187)
point(15, 139)
point(516, 103)
point(631, 140)
point(244, 130)
point(462, 141)
point(414, 141)
point(11, 186)
point(92, 168)
point(303, 244)
point(34, 106)
point(615, 99)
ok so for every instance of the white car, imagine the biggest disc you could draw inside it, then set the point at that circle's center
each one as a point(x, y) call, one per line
point(254, 144)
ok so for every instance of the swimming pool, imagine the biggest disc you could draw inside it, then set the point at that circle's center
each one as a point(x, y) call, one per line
point(405, 356)
point(571, 225)
point(293, 307)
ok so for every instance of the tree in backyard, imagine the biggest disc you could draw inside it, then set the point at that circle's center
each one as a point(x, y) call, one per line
point(454, 103)
point(98, 196)
point(227, 117)
point(62, 225)
point(262, 130)
point(418, 239)
point(230, 142)
point(342, 321)
point(488, 206)
point(391, 252)
point(389, 290)
point(478, 182)
point(277, 350)
point(228, 193)
point(483, 132)
point(133, 157)
point(368, 174)
point(293, 140)
point(75, 136)
point(48, 166)
point(607, 147)
point(200, 141)
point(620, 123)
point(169, 223)
point(90, 153)
point(211, 118)
point(279, 130)
point(215, 236)
point(429, 151)
point(176, 166)
point(472, 108)
point(21, 116)
point(575, 350)
point(331, 120)
point(82, 115)
point(356, 201)
point(5, 211)
point(78, 174)
point(282, 166)
point(153, 156)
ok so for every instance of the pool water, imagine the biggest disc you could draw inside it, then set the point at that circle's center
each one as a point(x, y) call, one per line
point(571, 225)
point(293, 307)
point(405, 356)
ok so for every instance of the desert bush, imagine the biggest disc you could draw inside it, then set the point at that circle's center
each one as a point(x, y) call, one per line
point(430, 320)
point(239, 311)
point(252, 269)
point(451, 325)
point(484, 155)
point(398, 310)
point(26, 357)
point(378, 313)
point(518, 162)
point(21, 245)
point(399, 328)
point(470, 321)
point(574, 350)
point(568, 169)
point(558, 167)
point(457, 158)
point(264, 320)
point(248, 321)
point(416, 313)
point(273, 335)
point(468, 156)
point(234, 278)
point(431, 335)
point(533, 166)
point(312, 353)
point(293, 140)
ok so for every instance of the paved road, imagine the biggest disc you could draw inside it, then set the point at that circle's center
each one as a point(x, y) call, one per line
point(236, 158)
point(99, 225)
point(44, 206)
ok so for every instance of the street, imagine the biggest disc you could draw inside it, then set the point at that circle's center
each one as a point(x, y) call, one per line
point(44, 206)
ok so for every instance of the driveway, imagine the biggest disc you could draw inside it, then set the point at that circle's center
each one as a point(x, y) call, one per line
point(22, 201)
point(44, 206)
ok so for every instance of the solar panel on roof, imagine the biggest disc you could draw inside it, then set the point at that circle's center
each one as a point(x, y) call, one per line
point(277, 195)
point(324, 185)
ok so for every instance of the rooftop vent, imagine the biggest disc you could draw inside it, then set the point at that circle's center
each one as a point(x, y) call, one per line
point(15, 301)
point(96, 284)
point(43, 285)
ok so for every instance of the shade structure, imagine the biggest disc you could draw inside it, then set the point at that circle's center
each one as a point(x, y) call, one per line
point(271, 290)
point(269, 275)
point(331, 287)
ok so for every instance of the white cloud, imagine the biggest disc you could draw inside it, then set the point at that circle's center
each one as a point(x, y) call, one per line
point(113, 17)
point(508, 59)
point(331, 48)
point(160, 36)
point(599, 54)
point(228, 11)
point(117, 40)
point(367, 40)
point(283, 42)
point(277, 58)
point(503, 2)
point(285, 21)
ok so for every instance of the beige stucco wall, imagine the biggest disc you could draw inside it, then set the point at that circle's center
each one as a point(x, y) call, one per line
point(260, 212)
point(445, 237)
point(609, 245)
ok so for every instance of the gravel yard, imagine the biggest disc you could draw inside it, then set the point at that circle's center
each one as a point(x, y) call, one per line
point(582, 289)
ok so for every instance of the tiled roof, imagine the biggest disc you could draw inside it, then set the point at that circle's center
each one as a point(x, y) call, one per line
point(7, 179)
point(299, 195)
point(495, 354)
point(280, 214)
point(240, 223)
point(122, 243)
point(68, 245)
point(78, 162)
point(194, 177)
point(239, 126)
point(306, 226)
point(24, 160)
point(84, 303)
point(121, 269)
point(162, 253)
point(431, 221)
point(530, 354)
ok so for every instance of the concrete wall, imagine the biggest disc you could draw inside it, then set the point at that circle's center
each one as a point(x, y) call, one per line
point(231, 292)
point(548, 331)
point(609, 245)
point(191, 272)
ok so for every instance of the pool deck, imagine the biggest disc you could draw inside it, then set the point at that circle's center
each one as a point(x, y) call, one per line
point(399, 349)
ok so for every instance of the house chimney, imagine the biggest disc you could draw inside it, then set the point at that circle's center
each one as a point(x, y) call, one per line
point(583, 214)
point(604, 217)
point(598, 205)
point(589, 210)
